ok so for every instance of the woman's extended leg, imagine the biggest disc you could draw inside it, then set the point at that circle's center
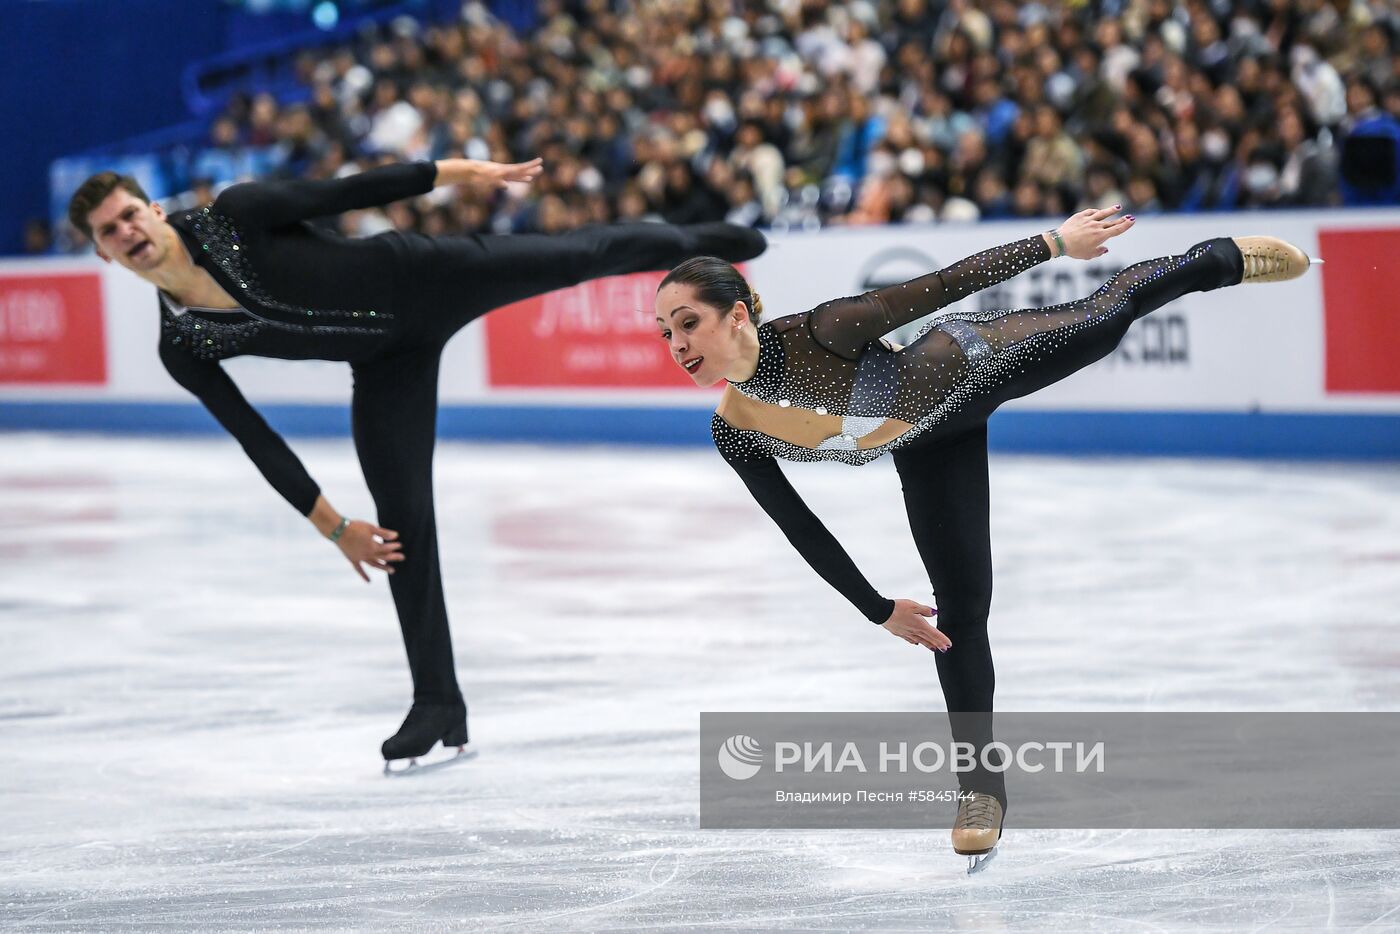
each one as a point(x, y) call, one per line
point(947, 498)
point(457, 279)
point(394, 420)
point(1014, 353)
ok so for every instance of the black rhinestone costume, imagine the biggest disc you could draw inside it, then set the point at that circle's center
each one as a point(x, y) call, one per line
point(386, 305)
point(305, 293)
point(831, 360)
point(945, 384)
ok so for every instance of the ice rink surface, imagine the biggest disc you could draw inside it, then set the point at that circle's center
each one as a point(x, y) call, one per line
point(193, 688)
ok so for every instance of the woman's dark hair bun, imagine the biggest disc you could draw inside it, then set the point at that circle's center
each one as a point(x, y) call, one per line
point(716, 283)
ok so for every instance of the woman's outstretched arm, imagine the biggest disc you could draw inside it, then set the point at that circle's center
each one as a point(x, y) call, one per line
point(846, 326)
point(907, 619)
point(772, 491)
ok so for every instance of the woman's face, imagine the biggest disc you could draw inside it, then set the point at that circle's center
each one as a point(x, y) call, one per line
point(703, 340)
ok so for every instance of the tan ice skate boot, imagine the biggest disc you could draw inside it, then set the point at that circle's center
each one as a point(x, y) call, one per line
point(1269, 259)
point(977, 829)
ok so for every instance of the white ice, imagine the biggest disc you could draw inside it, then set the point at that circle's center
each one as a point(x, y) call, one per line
point(193, 687)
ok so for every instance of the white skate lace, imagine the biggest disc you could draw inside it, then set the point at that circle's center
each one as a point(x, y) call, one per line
point(977, 813)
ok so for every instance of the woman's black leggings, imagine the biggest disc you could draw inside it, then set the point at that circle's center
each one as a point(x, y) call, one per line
point(452, 281)
point(944, 474)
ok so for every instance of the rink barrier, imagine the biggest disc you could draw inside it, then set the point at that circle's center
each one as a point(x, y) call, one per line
point(1204, 434)
point(1303, 369)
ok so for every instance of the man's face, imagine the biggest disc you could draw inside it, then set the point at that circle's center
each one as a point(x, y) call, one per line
point(130, 232)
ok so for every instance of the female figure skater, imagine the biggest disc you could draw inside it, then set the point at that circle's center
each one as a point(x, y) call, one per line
point(822, 385)
point(248, 275)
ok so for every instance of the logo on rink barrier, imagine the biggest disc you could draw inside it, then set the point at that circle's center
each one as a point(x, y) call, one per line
point(893, 266)
point(1158, 340)
point(51, 329)
point(740, 757)
point(600, 334)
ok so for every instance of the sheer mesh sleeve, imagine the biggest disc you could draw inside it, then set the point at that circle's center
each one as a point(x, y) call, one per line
point(813, 541)
point(847, 325)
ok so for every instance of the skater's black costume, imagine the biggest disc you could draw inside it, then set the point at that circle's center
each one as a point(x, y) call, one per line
point(386, 305)
point(831, 363)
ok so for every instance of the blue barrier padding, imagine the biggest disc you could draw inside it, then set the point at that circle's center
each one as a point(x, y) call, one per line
point(1209, 434)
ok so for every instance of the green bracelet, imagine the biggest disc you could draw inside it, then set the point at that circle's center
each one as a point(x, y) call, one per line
point(340, 529)
point(1055, 235)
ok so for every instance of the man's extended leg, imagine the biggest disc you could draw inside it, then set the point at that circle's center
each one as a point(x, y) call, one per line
point(454, 280)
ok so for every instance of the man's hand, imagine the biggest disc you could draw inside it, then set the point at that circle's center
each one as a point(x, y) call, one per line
point(486, 178)
point(366, 543)
point(1085, 232)
point(909, 623)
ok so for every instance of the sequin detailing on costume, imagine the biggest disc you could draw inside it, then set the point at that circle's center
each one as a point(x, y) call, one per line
point(853, 428)
point(226, 248)
point(841, 442)
point(207, 337)
point(215, 334)
point(961, 365)
point(767, 380)
point(876, 382)
point(972, 344)
point(858, 426)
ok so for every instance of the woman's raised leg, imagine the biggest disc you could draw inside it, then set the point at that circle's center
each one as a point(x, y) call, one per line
point(1014, 353)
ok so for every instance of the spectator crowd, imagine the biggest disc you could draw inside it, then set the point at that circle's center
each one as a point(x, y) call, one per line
point(804, 113)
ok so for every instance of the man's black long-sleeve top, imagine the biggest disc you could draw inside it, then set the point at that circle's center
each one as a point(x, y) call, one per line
point(306, 294)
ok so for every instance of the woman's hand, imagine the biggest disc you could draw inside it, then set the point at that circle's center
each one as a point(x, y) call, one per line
point(1085, 232)
point(908, 622)
point(366, 543)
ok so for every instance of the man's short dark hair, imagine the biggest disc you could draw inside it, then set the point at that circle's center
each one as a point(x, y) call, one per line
point(94, 191)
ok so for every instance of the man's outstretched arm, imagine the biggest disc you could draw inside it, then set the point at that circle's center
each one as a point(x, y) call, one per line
point(362, 543)
point(485, 177)
point(283, 202)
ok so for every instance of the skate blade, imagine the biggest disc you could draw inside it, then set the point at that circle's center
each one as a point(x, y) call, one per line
point(415, 766)
point(979, 862)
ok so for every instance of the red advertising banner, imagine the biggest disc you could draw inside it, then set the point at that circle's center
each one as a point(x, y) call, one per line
point(601, 334)
point(1361, 308)
point(51, 329)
